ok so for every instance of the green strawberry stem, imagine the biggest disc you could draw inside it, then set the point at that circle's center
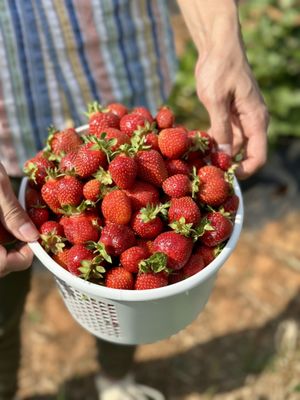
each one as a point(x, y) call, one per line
point(182, 227)
point(151, 211)
point(156, 263)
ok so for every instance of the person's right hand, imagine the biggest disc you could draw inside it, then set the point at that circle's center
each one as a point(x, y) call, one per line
point(17, 222)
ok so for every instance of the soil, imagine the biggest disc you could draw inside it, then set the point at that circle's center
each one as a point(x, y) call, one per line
point(244, 345)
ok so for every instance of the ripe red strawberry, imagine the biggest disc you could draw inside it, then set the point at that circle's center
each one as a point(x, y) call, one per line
point(150, 280)
point(221, 160)
point(92, 190)
point(116, 207)
point(52, 227)
point(117, 238)
point(117, 108)
point(61, 258)
point(119, 278)
point(173, 142)
point(209, 172)
point(88, 160)
point(222, 229)
point(165, 118)
point(151, 167)
point(33, 198)
point(38, 215)
point(49, 194)
point(141, 194)
point(151, 139)
point(194, 265)
point(36, 169)
point(62, 142)
point(99, 121)
point(208, 253)
point(144, 113)
point(197, 163)
point(177, 248)
point(184, 207)
point(131, 258)
point(147, 228)
point(131, 122)
point(201, 144)
point(121, 137)
point(75, 256)
point(213, 192)
point(178, 185)
point(69, 191)
point(231, 204)
point(6, 237)
point(123, 170)
point(67, 162)
point(175, 167)
point(82, 227)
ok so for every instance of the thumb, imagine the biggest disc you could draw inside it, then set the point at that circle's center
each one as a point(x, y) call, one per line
point(12, 215)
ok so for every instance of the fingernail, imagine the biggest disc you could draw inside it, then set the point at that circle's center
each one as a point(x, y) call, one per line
point(28, 231)
point(226, 148)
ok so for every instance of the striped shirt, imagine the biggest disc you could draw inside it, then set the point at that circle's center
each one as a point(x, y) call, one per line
point(58, 55)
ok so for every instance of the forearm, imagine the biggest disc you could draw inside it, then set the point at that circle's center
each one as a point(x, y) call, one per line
point(212, 23)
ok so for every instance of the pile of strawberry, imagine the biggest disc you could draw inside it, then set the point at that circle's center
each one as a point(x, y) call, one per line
point(135, 202)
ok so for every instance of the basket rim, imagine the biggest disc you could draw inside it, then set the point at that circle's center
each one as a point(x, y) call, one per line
point(95, 290)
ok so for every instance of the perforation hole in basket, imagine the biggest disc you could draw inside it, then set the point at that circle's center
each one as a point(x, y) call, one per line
point(96, 316)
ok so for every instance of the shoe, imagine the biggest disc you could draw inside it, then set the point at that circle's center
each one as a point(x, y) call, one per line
point(125, 389)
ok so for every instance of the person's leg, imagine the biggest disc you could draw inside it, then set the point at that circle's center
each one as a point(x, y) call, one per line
point(13, 290)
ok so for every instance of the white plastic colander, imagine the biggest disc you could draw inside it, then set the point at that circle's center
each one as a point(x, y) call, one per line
point(136, 316)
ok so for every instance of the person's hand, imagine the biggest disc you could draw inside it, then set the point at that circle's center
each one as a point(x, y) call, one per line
point(225, 84)
point(18, 223)
point(238, 115)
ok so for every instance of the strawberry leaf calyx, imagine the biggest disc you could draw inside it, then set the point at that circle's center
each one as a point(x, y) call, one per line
point(151, 211)
point(180, 226)
point(156, 263)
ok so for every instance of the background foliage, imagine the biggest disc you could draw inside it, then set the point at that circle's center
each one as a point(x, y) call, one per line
point(271, 31)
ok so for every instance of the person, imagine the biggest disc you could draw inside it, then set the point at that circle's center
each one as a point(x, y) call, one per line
point(55, 57)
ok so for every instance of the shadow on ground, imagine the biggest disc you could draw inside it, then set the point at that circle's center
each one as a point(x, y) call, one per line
point(250, 351)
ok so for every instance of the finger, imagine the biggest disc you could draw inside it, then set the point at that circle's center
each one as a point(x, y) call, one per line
point(17, 259)
point(12, 215)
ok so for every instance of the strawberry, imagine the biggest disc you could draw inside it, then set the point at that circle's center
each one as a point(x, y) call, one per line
point(151, 167)
point(38, 215)
point(209, 172)
point(197, 163)
point(151, 139)
point(201, 144)
point(66, 163)
point(175, 167)
point(178, 185)
point(49, 192)
point(208, 253)
point(33, 198)
point(75, 257)
point(144, 113)
point(119, 278)
point(92, 190)
point(146, 223)
point(222, 229)
point(6, 238)
point(88, 160)
point(231, 204)
point(213, 192)
point(116, 207)
point(81, 227)
point(62, 142)
point(165, 118)
point(36, 169)
point(141, 194)
point(61, 258)
point(184, 207)
point(117, 238)
point(221, 160)
point(70, 191)
point(123, 170)
point(173, 142)
point(150, 280)
point(52, 227)
point(52, 236)
point(131, 122)
point(99, 121)
point(117, 108)
point(120, 137)
point(177, 248)
point(194, 265)
point(131, 258)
